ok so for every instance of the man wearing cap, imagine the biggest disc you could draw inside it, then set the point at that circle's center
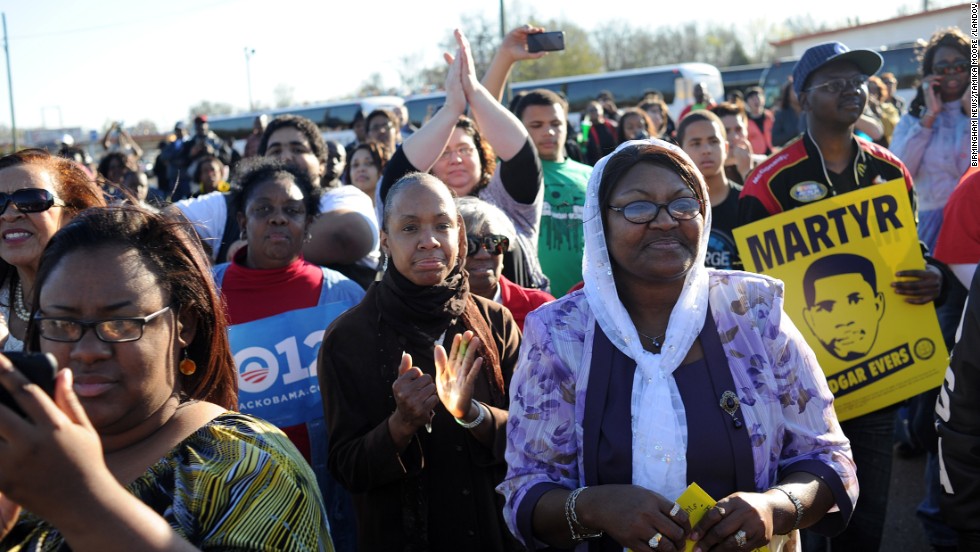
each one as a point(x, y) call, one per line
point(827, 160)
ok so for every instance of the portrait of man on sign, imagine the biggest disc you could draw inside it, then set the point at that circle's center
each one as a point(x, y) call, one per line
point(843, 304)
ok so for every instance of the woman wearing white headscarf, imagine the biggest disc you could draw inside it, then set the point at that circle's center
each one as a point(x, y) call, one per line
point(662, 372)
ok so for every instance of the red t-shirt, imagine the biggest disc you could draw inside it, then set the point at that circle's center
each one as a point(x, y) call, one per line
point(959, 236)
point(252, 294)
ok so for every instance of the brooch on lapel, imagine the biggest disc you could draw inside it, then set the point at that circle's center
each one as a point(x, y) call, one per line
point(729, 403)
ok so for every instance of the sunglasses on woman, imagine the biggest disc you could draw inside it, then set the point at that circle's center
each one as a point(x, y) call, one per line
point(29, 200)
point(950, 68)
point(495, 244)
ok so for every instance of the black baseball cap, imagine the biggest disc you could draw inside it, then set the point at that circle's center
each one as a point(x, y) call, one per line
point(815, 57)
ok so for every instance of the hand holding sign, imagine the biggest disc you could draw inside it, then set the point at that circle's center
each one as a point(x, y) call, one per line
point(921, 286)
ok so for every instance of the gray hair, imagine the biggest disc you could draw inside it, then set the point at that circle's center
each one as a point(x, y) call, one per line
point(476, 213)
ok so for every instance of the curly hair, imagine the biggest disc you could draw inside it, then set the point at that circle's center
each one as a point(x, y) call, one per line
point(307, 127)
point(252, 172)
point(951, 37)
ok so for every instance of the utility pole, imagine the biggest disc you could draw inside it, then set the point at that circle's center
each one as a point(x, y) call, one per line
point(10, 83)
point(249, 52)
point(503, 33)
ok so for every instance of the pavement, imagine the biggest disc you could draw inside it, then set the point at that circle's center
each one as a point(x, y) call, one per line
point(903, 531)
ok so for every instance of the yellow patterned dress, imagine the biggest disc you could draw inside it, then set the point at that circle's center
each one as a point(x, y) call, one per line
point(236, 483)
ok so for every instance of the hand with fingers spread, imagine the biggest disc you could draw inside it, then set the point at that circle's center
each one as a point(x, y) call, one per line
point(456, 375)
point(415, 397)
point(919, 286)
point(741, 521)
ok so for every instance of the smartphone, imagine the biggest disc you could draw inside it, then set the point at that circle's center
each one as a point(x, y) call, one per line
point(39, 368)
point(546, 42)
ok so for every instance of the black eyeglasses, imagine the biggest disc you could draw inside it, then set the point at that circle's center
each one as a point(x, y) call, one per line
point(112, 330)
point(495, 244)
point(642, 212)
point(29, 200)
point(836, 86)
point(944, 68)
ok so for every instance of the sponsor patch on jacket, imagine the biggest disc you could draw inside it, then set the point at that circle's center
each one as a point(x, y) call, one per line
point(806, 192)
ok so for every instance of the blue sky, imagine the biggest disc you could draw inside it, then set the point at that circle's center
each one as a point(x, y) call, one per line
point(87, 63)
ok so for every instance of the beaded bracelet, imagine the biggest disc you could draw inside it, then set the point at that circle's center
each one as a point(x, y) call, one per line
point(476, 421)
point(796, 504)
point(579, 531)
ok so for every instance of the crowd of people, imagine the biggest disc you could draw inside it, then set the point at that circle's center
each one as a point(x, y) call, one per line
point(494, 332)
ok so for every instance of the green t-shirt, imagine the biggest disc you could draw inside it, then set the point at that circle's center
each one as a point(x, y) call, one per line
point(561, 244)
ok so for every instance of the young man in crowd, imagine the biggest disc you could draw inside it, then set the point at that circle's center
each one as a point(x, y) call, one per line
point(761, 119)
point(702, 136)
point(742, 157)
point(828, 160)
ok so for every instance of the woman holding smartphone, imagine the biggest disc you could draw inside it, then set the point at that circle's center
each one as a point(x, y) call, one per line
point(932, 139)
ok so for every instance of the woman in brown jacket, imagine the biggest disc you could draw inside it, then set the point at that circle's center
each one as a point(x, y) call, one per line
point(418, 434)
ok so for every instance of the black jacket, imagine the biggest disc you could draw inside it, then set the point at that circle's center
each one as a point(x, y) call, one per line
point(958, 425)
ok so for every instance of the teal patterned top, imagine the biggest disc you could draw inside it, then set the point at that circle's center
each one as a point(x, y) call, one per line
point(237, 483)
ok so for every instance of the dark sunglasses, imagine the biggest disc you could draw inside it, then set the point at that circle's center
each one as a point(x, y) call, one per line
point(29, 200)
point(642, 212)
point(951, 68)
point(495, 244)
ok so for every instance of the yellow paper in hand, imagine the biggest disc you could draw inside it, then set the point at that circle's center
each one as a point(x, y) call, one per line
point(696, 502)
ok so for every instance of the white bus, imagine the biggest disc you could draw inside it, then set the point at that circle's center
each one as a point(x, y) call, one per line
point(333, 118)
point(675, 82)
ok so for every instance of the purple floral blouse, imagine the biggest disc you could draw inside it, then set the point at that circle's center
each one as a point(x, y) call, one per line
point(787, 406)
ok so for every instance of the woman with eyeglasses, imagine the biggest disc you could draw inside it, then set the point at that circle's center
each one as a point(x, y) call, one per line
point(139, 448)
point(278, 306)
point(39, 193)
point(933, 138)
point(662, 373)
point(416, 432)
point(489, 234)
point(462, 153)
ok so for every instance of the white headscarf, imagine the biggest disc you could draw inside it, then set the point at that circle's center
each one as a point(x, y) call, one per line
point(658, 420)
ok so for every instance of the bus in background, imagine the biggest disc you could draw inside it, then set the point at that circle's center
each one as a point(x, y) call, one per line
point(900, 59)
point(333, 118)
point(675, 82)
point(741, 77)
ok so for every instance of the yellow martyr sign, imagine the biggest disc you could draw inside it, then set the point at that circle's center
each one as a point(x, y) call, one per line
point(838, 258)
